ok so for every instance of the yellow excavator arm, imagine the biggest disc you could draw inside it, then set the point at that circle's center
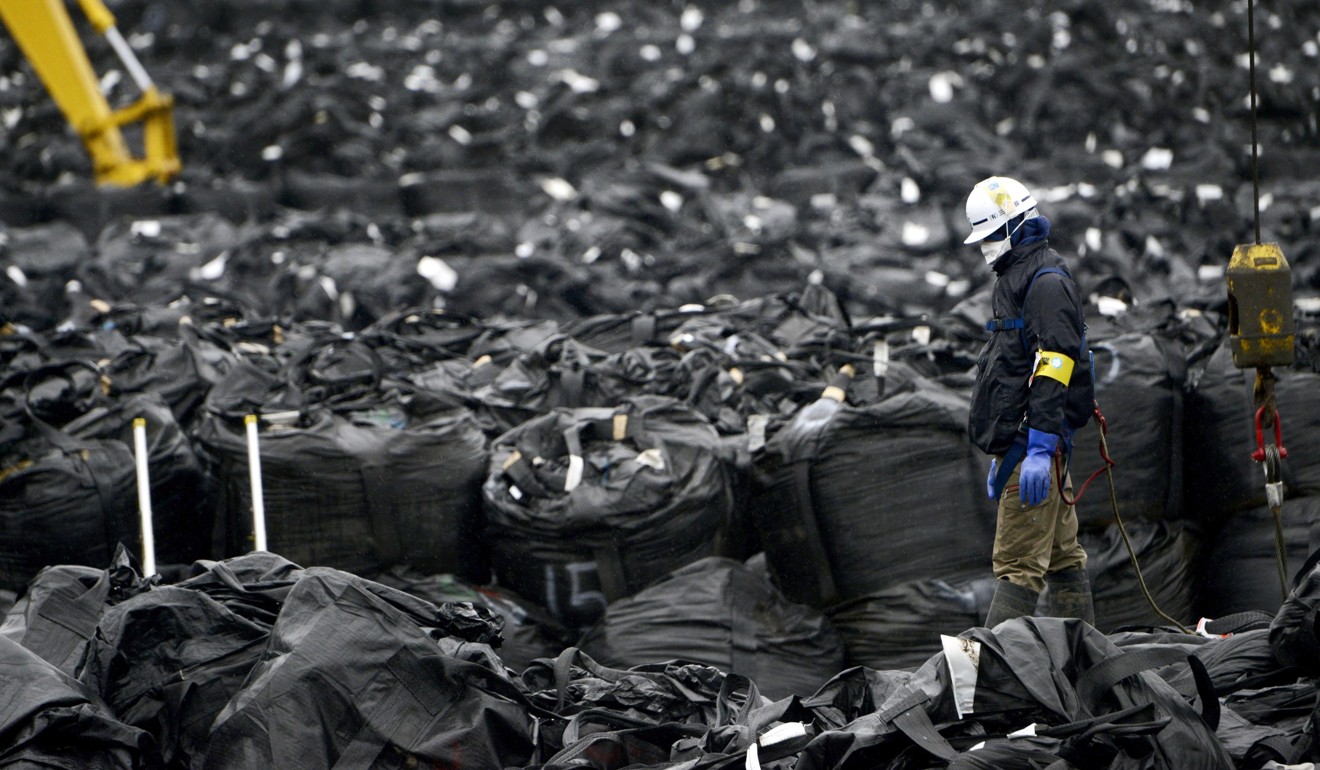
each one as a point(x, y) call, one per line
point(46, 35)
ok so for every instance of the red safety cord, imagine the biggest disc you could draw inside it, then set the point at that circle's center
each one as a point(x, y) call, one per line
point(1104, 455)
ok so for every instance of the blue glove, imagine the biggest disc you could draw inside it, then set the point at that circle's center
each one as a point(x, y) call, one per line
point(990, 480)
point(1034, 481)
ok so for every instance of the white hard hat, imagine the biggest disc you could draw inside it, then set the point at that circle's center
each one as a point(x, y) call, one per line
point(993, 202)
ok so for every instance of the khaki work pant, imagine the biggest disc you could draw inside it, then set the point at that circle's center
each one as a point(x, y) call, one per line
point(1031, 541)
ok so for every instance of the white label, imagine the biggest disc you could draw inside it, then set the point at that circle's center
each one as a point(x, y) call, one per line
point(574, 477)
point(880, 358)
point(652, 458)
point(756, 424)
point(964, 658)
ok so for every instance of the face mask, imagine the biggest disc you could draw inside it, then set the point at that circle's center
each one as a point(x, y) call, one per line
point(993, 250)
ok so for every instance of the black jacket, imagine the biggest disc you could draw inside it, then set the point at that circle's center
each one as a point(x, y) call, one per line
point(1003, 404)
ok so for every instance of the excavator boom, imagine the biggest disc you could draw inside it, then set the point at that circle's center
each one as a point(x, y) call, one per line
point(46, 35)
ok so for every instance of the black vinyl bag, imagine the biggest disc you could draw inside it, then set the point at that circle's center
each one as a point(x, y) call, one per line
point(351, 493)
point(1167, 552)
point(63, 500)
point(624, 331)
point(723, 613)
point(181, 523)
point(1139, 380)
point(1059, 684)
point(167, 661)
point(49, 720)
point(1295, 631)
point(876, 496)
point(1240, 572)
point(1222, 478)
point(355, 674)
point(574, 684)
point(180, 371)
point(586, 506)
point(558, 372)
point(529, 631)
point(252, 586)
point(899, 627)
point(57, 614)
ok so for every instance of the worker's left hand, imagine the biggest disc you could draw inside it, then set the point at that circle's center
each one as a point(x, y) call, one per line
point(990, 480)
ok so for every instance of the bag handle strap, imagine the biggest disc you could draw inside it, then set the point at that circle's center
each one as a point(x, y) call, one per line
point(1105, 675)
point(910, 717)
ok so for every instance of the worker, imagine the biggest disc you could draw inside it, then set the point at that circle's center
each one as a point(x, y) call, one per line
point(1033, 391)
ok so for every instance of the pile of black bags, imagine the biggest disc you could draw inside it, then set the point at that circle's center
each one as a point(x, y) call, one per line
point(254, 660)
point(608, 369)
point(765, 495)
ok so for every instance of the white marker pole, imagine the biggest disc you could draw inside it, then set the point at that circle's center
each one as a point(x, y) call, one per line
point(254, 470)
point(144, 497)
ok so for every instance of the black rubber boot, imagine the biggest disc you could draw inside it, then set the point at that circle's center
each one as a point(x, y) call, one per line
point(1069, 595)
point(1010, 601)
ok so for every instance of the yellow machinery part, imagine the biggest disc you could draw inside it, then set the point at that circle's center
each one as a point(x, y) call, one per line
point(1260, 309)
point(46, 35)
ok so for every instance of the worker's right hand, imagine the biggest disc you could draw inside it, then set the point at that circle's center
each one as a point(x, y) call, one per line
point(1034, 479)
point(990, 480)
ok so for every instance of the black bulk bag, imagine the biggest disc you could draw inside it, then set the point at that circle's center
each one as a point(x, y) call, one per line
point(1295, 630)
point(1298, 394)
point(572, 684)
point(676, 715)
point(1139, 379)
point(58, 612)
point(1235, 653)
point(1240, 571)
point(181, 371)
point(559, 372)
point(167, 661)
point(1272, 723)
point(63, 500)
point(529, 631)
point(1167, 552)
point(180, 522)
point(723, 613)
point(253, 585)
point(883, 494)
point(153, 260)
point(1263, 708)
point(586, 506)
point(355, 674)
point(899, 627)
point(355, 494)
point(1222, 478)
point(623, 331)
point(415, 337)
point(1082, 699)
point(49, 720)
point(371, 281)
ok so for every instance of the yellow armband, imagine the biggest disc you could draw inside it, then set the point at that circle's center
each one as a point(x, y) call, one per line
point(1056, 366)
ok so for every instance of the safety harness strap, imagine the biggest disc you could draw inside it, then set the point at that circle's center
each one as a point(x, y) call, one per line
point(1004, 324)
point(1011, 459)
point(1019, 324)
